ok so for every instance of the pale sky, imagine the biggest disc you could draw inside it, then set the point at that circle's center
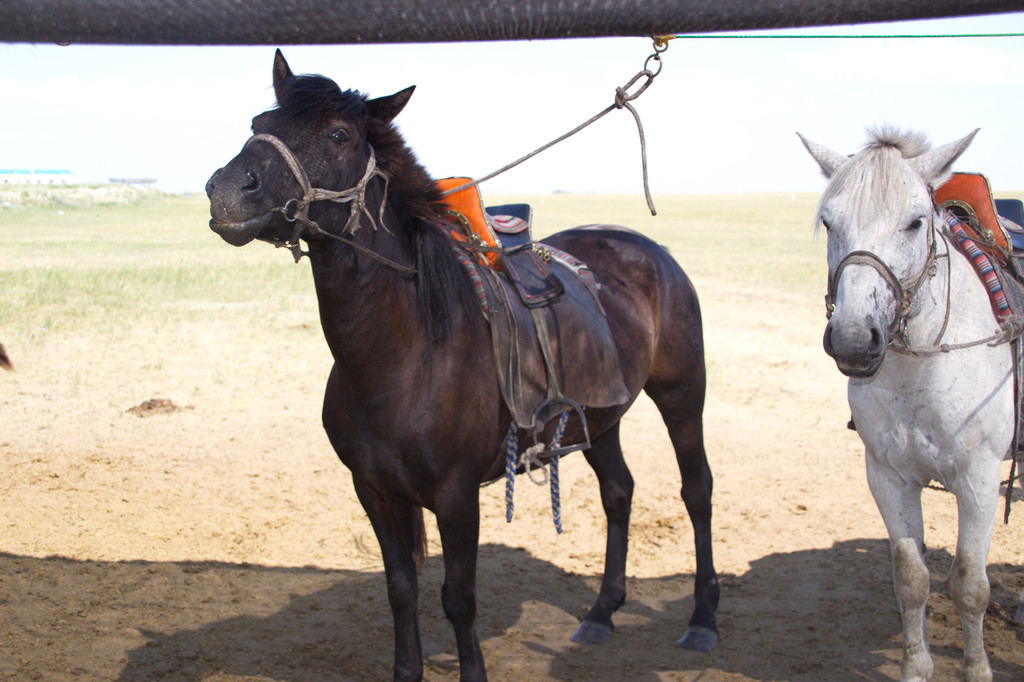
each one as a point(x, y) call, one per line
point(721, 116)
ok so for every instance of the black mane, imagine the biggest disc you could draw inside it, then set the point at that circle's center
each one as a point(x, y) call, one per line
point(308, 99)
point(311, 98)
point(442, 285)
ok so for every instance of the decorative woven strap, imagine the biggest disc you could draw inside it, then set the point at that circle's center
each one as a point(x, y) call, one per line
point(982, 264)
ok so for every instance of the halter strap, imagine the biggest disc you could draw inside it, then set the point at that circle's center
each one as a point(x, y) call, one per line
point(297, 210)
point(904, 290)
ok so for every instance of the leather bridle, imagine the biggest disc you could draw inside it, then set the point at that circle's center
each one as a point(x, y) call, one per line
point(904, 290)
point(297, 210)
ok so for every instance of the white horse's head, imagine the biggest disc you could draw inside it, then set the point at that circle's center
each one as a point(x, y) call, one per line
point(879, 214)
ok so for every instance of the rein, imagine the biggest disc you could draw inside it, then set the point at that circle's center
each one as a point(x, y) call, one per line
point(297, 210)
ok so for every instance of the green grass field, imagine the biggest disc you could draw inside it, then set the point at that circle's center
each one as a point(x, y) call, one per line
point(143, 284)
point(143, 281)
point(71, 269)
point(108, 268)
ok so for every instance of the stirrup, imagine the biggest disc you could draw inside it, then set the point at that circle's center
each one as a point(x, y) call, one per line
point(548, 410)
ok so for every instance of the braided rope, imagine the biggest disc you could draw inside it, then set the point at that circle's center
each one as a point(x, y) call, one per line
point(511, 454)
point(530, 457)
point(556, 499)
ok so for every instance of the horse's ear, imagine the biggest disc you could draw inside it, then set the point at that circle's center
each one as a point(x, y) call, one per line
point(828, 160)
point(934, 165)
point(281, 71)
point(384, 109)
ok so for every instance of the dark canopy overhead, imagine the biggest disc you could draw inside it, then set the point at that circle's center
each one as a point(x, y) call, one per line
point(293, 22)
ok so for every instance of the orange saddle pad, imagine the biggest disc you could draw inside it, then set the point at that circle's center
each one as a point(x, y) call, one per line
point(467, 208)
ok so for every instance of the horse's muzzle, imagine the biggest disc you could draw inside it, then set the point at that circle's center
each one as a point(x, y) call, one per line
point(858, 350)
point(238, 207)
point(240, 234)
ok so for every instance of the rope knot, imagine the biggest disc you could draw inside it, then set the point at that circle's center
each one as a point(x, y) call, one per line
point(531, 460)
point(621, 97)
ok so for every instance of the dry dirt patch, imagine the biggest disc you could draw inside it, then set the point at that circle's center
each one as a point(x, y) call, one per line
point(225, 542)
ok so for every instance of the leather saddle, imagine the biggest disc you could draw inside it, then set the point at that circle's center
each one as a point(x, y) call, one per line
point(551, 342)
point(995, 225)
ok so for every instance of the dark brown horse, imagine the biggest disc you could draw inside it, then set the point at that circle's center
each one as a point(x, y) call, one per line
point(413, 405)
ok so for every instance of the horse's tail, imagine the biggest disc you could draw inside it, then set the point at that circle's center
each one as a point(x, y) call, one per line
point(420, 540)
point(5, 361)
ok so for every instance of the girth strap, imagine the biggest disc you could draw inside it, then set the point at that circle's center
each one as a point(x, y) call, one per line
point(556, 403)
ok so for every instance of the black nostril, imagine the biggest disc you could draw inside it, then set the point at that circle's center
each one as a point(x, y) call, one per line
point(253, 185)
point(877, 346)
point(209, 183)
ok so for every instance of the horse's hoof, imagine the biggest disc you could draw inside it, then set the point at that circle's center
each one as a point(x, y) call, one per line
point(590, 632)
point(699, 639)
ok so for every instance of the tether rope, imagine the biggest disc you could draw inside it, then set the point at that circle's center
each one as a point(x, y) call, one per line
point(623, 100)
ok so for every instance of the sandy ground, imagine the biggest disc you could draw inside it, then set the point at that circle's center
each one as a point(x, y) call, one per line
point(222, 540)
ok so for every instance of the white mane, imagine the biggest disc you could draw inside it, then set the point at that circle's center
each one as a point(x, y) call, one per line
point(910, 143)
point(874, 176)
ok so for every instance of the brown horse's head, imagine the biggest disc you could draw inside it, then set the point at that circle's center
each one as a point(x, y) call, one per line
point(326, 161)
point(319, 138)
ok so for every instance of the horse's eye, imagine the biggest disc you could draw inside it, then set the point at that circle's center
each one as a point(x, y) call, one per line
point(915, 225)
point(824, 223)
point(339, 136)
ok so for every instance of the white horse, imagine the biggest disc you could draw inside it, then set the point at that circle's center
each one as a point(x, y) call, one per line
point(931, 378)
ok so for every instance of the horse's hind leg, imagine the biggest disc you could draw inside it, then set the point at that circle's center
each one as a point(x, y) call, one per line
point(682, 410)
point(616, 483)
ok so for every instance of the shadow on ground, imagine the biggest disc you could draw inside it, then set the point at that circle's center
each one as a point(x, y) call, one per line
point(812, 614)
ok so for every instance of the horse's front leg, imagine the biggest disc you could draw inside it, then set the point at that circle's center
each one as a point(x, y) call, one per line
point(458, 521)
point(398, 525)
point(899, 502)
point(616, 483)
point(977, 498)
